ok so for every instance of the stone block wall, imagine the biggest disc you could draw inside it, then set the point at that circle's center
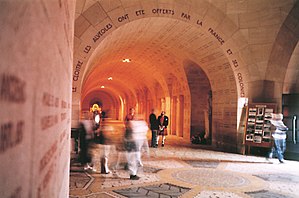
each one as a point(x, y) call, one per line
point(36, 50)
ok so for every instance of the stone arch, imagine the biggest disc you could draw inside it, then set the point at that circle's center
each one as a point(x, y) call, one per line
point(201, 106)
point(279, 68)
point(223, 64)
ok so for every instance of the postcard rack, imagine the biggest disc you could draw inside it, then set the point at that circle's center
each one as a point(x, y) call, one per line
point(257, 129)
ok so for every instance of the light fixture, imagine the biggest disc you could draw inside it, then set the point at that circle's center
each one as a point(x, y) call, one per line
point(102, 87)
point(126, 60)
point(110, 78)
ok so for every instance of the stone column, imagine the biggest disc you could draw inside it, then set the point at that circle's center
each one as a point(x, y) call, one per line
point(36, 50)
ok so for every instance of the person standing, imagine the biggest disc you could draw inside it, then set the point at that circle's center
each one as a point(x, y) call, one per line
point(154, 126)
point(130, 115)
point(163, 123)
point(279, 135)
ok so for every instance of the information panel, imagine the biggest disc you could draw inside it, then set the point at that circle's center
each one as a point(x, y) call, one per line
point(257, 130)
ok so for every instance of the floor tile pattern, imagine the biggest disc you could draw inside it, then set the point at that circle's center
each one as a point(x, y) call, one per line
point(208, 177)
point(267, 194)
point(217, 194)
point(165, 190)
point(202, 164)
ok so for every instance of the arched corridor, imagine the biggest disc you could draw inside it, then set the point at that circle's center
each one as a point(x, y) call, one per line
point(201, 61)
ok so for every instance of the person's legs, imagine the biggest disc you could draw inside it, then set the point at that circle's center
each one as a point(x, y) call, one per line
point(139, 144)
point(153, 141)
point(104, 160)
point(283, 146)
point(163, 140)
point(272, 152)
point(154, 138)
point(132, 165)
point(278, 148)
point(157, 140)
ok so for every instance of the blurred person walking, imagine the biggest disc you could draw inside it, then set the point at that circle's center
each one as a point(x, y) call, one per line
point(105, 140)
point(135, 138)
point(85, 140)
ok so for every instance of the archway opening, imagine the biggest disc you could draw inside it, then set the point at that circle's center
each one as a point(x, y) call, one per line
point(201, 104)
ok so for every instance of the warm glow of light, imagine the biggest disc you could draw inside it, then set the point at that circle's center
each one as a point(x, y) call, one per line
point(110, 78)
point(97, 119)
point(126, 60)
point(95, 107)
point(102, 86)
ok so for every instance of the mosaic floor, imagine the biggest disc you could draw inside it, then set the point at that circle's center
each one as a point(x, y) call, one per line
point(200, 177)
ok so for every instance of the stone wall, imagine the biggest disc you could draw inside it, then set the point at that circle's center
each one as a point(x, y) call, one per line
point(36, 50)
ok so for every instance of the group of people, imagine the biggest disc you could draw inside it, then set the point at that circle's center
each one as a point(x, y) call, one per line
point(134, 140)
point(135, 137)
point(158, 127)
point(91, 132)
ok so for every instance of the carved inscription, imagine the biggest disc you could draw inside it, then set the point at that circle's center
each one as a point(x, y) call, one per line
point(12, 89)
point(63, 104)
point(45, 183)
point(50, 101)
point(235, 63)
point(48, 121)
point(241, 84)
point(198, 22)
point(63, 116)
point(185, 16)
point(102, 32)
point(62, 136)
point(163, 11)
point(123, 18)
point(139, 12)
point(239, 75)
point(56, 153)
point(47, 157)
point(216, 35)
point(11, 135)
point(77, 70)
point(229, 52)
point(87, 49)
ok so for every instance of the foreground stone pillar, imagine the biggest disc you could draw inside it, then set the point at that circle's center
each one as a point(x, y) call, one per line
point(36, 50)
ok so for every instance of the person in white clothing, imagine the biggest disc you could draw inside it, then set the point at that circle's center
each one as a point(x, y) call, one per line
point(279, 135)
point(135, 140)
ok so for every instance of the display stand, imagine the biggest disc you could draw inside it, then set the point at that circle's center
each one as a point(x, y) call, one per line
point(257, 129)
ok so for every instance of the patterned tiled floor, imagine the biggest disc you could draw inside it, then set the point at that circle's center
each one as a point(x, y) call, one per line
point(158, 190)
point(207, 175)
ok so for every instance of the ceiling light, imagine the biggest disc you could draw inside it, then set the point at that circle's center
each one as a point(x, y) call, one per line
point(110, 78)
point(102, 87)
point(126, 60)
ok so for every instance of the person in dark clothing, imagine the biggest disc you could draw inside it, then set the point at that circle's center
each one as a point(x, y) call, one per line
point(154, 126)
point(163, 123)
point(85, 134)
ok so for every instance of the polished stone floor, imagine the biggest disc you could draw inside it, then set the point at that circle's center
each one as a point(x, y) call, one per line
point(184, 171)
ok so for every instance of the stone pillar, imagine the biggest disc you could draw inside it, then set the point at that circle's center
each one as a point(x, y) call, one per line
point(75, 110)
point(36, 50)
